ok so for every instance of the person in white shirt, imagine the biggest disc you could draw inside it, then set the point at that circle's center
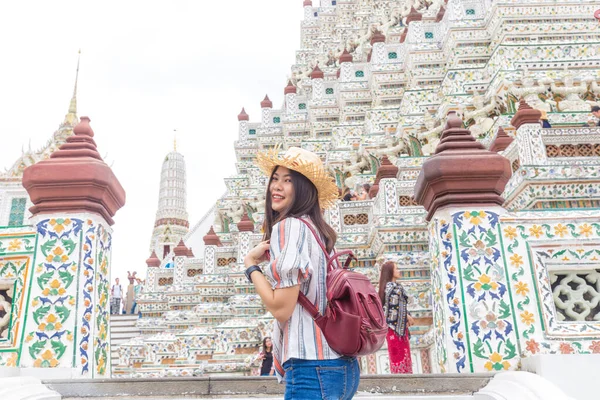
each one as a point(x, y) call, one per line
point(116, 296)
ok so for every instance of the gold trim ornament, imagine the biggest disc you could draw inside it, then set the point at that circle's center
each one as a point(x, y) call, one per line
point(306, 163)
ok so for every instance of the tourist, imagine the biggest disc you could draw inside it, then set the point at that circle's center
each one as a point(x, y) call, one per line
point(394, 300)
point(299, 187)
point(544, 119)
point(266, 355)
point(596, 113)
point(349, 195)
point(364, 194)
point(116, 294)
point(137, 289)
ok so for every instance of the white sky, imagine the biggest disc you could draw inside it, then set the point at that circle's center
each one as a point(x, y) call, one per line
point(147, 68)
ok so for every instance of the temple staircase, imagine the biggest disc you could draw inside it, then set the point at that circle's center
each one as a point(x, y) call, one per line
point(122, 328)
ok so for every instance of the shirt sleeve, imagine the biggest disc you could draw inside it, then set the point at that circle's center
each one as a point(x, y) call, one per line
point(290, 262)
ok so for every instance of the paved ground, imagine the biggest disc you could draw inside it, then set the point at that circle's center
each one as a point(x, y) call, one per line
point(361, 396)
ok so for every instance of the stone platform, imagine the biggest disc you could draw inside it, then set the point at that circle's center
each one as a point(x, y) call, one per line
point(446, 386)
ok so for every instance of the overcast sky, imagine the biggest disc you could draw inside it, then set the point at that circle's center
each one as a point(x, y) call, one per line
point(147, 68)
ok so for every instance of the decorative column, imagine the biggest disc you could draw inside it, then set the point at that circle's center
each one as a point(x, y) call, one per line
point(378, 54)
point(181, 253)
point(266, 105)
point(211, 242)
point(245, 228)
point(243, 119)
point(529, 135)
point(460, 187)
point(289, 92)
point(386, 191)
point(153, 263)
point(75, 195)
point(345, 70)
point(318, 89)
point(308, 10)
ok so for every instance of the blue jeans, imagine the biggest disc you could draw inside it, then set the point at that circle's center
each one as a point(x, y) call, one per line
point(321, 379)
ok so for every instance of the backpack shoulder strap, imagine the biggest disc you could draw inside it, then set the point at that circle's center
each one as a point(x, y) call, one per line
point(302, 299)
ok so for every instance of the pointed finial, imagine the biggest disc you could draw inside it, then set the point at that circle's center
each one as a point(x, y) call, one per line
point(317, 73)
point(243, 116)
point(174, 139)
point(345, 57)
point(245, 225)
point(266, 103)
point(71, 117)
point(290, 88)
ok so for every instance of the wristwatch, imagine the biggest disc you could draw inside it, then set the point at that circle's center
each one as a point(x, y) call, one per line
point(250, 270)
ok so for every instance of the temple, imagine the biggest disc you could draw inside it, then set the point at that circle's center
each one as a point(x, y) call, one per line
point(492, 217)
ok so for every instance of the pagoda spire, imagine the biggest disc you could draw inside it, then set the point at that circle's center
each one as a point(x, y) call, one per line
point(171, 223)
point(71, 117)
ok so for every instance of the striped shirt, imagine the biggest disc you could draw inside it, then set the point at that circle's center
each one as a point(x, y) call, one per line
point(297, 259)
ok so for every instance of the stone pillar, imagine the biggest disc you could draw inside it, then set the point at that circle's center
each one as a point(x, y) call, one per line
point(378, 54)
point(266, 105)
point(243, 125)
point(291, 106)
point(308, 10)
point(211, 242)
point(75, 195)
point(529, 135)
point(245, 228)
point(181, 253)
point(318, 89)
point(345, 66)
point(473, 318)
point(153, 263)
point(386, 190)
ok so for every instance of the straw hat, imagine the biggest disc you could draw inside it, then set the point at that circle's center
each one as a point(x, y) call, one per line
point(306, 163)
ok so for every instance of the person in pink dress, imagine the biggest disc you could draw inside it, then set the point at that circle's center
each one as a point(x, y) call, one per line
point(394, 300)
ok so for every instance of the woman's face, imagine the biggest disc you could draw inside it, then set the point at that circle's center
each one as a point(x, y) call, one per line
point(281, 189)
point(268, 343)
point(396, 272)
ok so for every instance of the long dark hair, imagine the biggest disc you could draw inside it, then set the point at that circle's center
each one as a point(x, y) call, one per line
point(386, 275)
point(265, 344)
point(305, 204)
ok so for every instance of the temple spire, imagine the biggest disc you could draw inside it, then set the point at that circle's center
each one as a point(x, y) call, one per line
point(71, 117)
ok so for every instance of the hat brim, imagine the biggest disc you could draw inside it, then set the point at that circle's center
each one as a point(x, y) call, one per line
point(326, 188)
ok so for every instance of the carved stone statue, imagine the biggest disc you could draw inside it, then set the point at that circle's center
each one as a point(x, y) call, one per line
point(531, 93)
point(481, 115)
point(431, 135)
point(572, 101)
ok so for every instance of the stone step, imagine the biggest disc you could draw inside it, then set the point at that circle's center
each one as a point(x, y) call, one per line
point(119, 323)
point(124, 334)
point(434, 386)
point(114, 317)
point(362, 396)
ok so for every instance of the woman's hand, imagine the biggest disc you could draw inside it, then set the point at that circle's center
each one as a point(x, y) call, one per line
point(410, 321)
point(258, 254)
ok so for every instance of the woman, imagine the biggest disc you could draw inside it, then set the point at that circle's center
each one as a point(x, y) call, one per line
point(299, 187)
point(266, 355)
point(364, 194)
point(394, 299)
point(349, 195)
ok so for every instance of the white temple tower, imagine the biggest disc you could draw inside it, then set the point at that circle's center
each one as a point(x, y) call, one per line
point(171, 222)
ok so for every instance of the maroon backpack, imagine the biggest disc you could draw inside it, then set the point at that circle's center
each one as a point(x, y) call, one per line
point(353, 322)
